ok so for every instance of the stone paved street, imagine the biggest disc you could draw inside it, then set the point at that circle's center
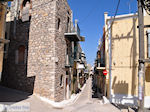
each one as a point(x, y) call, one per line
point(85, 102)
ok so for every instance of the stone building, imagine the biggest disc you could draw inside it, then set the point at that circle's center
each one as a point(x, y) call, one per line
point(42, 48)
point(99, 77)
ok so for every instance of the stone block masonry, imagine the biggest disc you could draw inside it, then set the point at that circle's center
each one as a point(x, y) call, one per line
point(47, 62)
point(46, 50)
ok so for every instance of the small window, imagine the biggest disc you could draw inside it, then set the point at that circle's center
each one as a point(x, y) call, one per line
point(21, 55)
point(67, 73)
point(61, 80)
point(58, 24)
point(24, 2)
point(68, 24)
point(68, 12)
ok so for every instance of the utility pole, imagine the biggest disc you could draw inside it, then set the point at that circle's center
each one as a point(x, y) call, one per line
point(141, 71)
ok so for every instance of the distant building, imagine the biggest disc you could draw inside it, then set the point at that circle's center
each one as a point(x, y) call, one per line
point(99, 77)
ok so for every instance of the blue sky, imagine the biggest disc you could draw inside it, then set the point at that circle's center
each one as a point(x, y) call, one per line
point(90, 14)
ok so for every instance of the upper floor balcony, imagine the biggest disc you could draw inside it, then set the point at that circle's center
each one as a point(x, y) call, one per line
point(100, 63)
point(73, 33)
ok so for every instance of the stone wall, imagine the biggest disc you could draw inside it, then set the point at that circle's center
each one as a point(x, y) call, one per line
point(41, 61)
point(47, 37)
point(15, 73)
point(63, 12)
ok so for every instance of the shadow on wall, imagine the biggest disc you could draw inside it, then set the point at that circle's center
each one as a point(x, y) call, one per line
point(121, 87)
point(133, 53)
point(133, 60)
point(121, 93)
point(147, 73)
point(15, 63)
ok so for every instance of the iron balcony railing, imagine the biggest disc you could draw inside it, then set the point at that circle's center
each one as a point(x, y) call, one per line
point(101, 62)
point(73, 31)
point(77, 29)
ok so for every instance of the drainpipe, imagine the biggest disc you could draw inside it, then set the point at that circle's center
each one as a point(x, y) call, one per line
point(110, 60)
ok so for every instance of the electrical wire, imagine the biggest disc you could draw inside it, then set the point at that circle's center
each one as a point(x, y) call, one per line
point(88, 15)
point(146, 5)
point(112, 20)
point(114, 16)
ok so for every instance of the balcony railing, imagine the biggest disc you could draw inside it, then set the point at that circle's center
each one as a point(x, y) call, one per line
point(73, 33)
point(77, 29)
point(101, 62)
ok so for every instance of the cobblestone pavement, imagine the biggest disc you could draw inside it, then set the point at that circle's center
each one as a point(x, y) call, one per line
point(85, 102)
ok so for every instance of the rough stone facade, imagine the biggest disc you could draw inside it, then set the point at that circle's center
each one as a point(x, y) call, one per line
point(64, 13)
point(43, 72)
point(15, 72)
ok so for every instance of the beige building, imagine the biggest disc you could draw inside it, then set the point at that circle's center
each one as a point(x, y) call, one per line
point(121, 58)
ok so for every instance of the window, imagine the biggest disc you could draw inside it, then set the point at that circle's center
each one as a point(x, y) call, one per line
point(68, 12)
point(58, 24)
point(61, 80)
point(21, 55)
point(67, 73)
point(25, 10)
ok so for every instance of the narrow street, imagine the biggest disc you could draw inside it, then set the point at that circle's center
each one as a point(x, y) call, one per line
point(85, 102)
point(71, 55)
